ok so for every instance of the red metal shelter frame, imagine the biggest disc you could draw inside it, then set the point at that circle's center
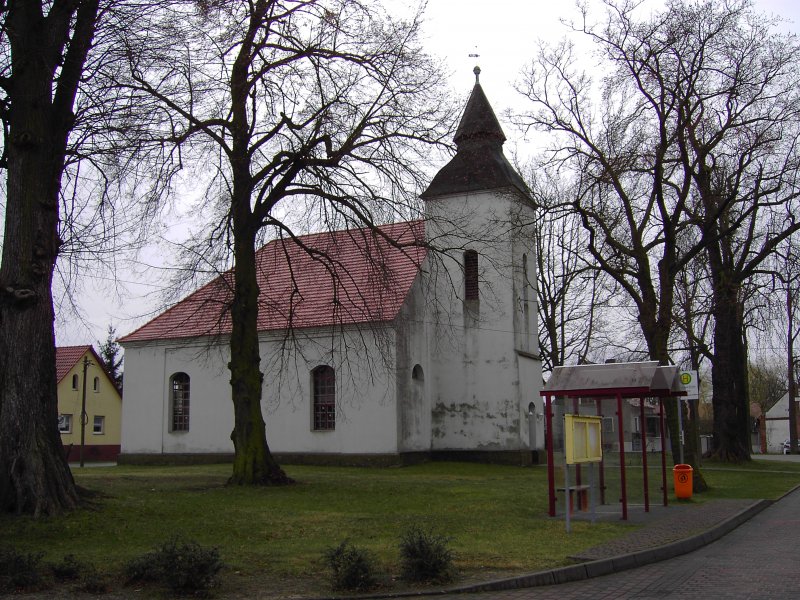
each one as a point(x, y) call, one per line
point(613, 380)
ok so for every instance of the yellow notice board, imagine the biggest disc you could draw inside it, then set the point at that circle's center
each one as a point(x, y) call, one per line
point(582, 439)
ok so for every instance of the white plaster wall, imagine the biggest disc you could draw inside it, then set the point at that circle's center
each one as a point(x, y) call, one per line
point(142, 407)
point(365, 391)
point(146, 409)
point(481, 392)
point(530, 385)
point(366, 412)
point(525, 322)
point(413, 332)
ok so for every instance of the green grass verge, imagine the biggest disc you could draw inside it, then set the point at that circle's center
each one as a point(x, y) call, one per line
point(496, 516)
point(755, 479)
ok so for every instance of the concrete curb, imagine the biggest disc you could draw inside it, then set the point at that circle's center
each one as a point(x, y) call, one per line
point(595, 568)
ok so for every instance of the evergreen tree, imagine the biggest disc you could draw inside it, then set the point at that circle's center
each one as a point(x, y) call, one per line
point(110, 353)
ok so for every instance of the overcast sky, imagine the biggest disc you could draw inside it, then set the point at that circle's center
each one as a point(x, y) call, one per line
point(503, 33)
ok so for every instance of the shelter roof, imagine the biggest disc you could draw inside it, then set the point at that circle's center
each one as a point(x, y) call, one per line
point(632, 379)
point(332, 278)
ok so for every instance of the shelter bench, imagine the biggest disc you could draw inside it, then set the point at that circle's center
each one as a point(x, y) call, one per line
point(582, 494)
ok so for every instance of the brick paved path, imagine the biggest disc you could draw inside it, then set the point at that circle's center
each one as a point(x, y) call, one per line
point(758, 560)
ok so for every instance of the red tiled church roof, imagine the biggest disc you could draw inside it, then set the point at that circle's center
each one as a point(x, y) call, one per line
point(66, 357)
point(323, 279)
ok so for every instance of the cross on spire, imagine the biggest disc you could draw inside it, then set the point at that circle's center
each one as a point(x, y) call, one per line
point(477, 69)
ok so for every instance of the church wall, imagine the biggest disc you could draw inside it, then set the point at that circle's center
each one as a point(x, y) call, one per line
point(413, 372)
point(362, 357)
point(530, 384)
point(526, 338)
point(146, 426)
point(140, 431)
point(365, 394)
point(478, 402)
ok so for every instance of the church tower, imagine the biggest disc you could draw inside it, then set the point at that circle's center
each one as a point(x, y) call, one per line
point(486, 371)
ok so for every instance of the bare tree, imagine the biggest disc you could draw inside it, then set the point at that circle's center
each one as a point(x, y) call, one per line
point(741, 109)
point(45, 47)
point(696, 96)
point(71, 178)
point(313, 107)
point(694, 324)
point(572, 292)
point(620, 156)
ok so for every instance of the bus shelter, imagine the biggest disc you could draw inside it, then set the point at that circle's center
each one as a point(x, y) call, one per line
point(629, 397)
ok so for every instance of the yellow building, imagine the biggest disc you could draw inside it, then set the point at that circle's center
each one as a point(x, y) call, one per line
point(103, 404)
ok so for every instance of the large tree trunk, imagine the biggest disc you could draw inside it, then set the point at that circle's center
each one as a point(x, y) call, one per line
point(253, 461)
point(34, 475)
point(730, 397)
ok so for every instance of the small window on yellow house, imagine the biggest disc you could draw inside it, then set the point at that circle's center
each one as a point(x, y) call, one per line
point(65, 423)
point(96, 384)
point(99, 425)
point(75, 381)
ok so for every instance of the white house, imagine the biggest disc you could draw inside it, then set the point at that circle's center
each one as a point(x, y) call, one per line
point(384, 351)
point(777, 425)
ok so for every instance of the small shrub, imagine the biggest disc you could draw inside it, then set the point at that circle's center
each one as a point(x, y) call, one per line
point(19, 571)
point(184, 566)
point(425, 556)
point(94, 582)
point(352, 568)
point(69, 569)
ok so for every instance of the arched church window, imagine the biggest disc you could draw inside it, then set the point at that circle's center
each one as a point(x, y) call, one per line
point(324, 398)
point(470, 275)
point(417, 397)
point(179, 392)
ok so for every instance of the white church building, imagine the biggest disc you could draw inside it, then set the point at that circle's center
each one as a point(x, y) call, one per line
point(412, 342)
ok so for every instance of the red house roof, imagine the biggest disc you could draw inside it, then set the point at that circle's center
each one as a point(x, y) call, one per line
point(333, 278)
point(66, 357)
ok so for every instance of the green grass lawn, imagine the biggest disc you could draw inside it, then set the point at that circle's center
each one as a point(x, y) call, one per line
point(495, 515)
point(756, 479)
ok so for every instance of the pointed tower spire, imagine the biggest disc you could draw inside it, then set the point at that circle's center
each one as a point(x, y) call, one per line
point(479, 163)
point(479, 121)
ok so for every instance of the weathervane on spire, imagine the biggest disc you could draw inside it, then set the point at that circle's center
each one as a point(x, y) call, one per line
point(477, 69)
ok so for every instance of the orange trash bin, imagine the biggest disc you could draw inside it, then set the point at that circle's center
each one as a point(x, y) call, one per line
point(682, 475)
